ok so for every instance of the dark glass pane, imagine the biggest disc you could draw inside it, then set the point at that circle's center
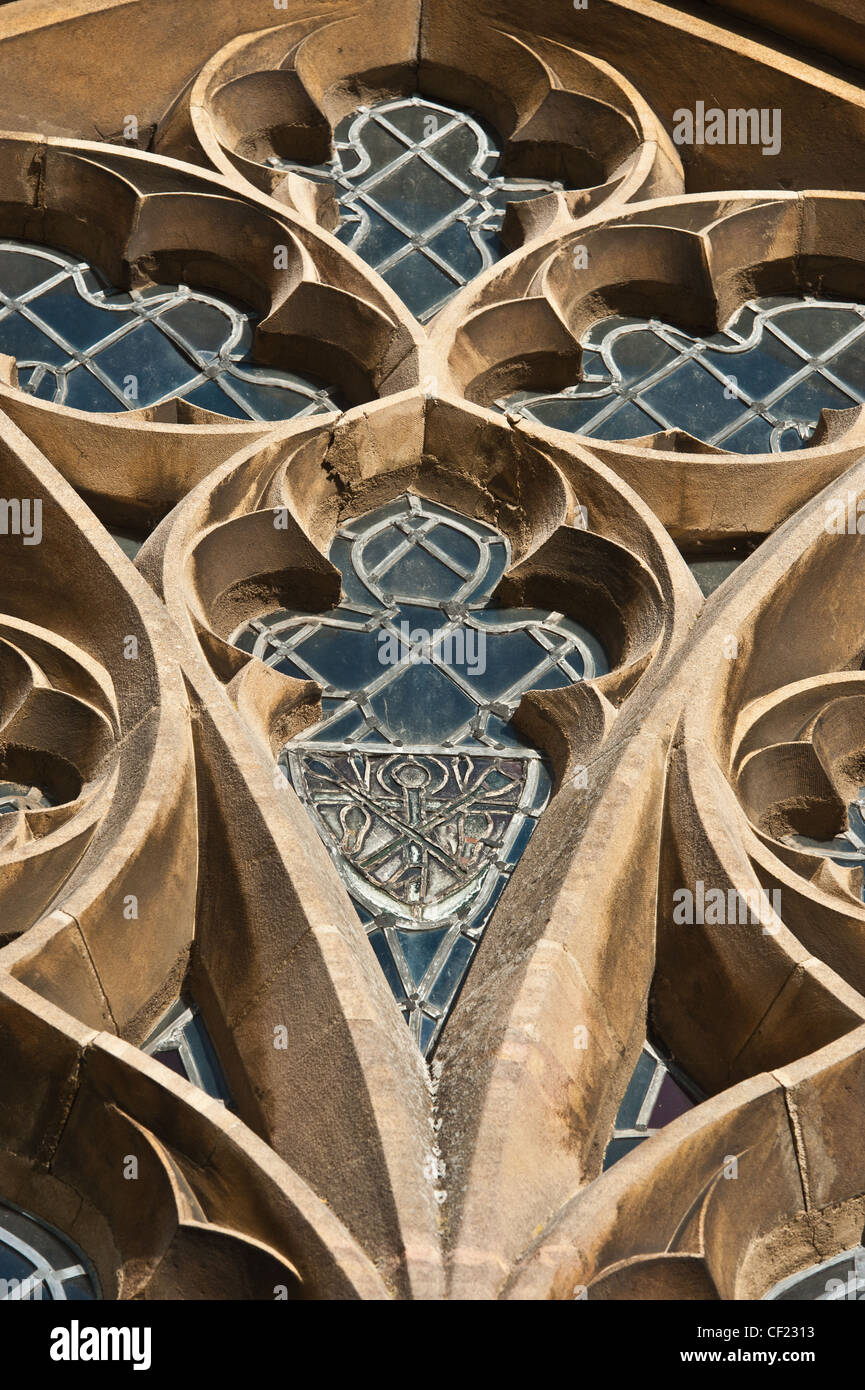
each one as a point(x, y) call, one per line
point(342, 658)
point(12, 1264)
point(638, 354)
point(22, 339)
point(617, 1148)
point(754, 437)
point(210, 396)
point(419, 949)
point(818, 328)
point(379, 944)
point(451, 972)
point(420, 283)
point(693, 400)
point(173, 1060)
point(807, 399)
point(422, 705)
point(159, 368)
point(462, 549)
point(628, 422)
point(80, 323)
point(202, 326)
point(84, 391)
point(672, 1102)
point(20, 272)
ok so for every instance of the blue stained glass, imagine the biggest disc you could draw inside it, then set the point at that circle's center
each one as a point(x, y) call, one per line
point(424, 704)
point(758, 386)
point(348, 724)
point(419, 949)
point(417, 623)
point(385, 959)
point(39, 1263)
point(421, 575)
point(637, 1088)
point(420, 195)
point(340, 657)
point(21, 338)
point(290, 668)
point(415, 776)
point(452, 972)
point(462, 549)
point(80, 343)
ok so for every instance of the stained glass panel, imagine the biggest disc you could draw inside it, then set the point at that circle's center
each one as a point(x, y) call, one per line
point(419, 195)
point(415, 777)
point(37, 1262)
point(78, 342)
point(756, 387)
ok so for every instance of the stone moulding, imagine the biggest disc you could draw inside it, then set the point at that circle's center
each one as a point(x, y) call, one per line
point(753, 730)
point(220, 557)
point(151, 853)
point(564, 115)
point(66, 1150)
point(692, 261)
point(144, 220)
point(767, 1179)
point(109, 738)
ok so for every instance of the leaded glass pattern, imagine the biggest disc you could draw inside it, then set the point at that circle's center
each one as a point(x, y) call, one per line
point(756, 387)
point(415, 777)
point(181, 1042)
point(80, 343)
point(657, 1093)
point(37, 1262)
point(419, 195)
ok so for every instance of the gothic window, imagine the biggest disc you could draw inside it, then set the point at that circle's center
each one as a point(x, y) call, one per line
point(417, 780)
point(37, 1262)
point(79, 342)
point(758, 385)
point(420, 195)
point(432, 520)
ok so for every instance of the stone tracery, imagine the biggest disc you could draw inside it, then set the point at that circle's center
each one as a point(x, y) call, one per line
point(187, 861)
